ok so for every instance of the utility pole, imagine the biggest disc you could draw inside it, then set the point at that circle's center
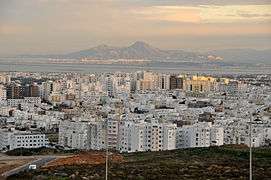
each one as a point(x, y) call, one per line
point(106, 157)
point(251, 143)
point(250, 149)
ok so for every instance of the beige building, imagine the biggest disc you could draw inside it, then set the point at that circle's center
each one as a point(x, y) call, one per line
point(199, 84)
point(150, 81)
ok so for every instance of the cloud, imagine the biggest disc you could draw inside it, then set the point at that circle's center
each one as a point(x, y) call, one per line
point(247, 15)
point(13, 29)
point(170, 13)
point(63, 25)
point(203, 2)
point(236, 13)
point(207, 13)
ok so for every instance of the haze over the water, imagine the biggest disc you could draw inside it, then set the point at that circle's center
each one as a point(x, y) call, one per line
point(60, 26)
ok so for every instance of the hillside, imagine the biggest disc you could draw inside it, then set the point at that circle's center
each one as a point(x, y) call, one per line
point(200, 163)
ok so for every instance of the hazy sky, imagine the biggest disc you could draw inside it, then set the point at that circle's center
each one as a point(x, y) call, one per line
point(58, 26)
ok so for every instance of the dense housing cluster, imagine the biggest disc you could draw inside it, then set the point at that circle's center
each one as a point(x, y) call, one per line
point(129, 112)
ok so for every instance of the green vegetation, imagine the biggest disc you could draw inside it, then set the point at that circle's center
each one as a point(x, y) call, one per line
point(227, 162)
point(53, 137)
point(38, 151)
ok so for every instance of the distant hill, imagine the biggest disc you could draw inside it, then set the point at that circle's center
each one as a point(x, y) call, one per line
point(142, 50)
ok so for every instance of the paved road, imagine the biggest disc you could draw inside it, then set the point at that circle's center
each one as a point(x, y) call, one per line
point(40, 162)
point(4, 157)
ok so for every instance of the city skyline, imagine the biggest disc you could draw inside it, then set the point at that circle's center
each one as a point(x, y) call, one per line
point(61, 26)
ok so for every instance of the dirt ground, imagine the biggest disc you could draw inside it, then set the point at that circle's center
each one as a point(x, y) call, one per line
point(8, 164)
point(85, 158)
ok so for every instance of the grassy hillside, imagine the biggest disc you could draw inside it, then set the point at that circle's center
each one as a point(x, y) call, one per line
point(200, 163)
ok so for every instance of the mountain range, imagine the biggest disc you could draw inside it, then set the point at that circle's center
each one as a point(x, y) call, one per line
point(142, 50)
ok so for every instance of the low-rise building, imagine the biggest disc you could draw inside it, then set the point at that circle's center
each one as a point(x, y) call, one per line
point(12, 139)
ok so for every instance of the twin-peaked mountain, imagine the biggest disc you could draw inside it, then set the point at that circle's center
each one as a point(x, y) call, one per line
point(142, 50)
point(138, 50)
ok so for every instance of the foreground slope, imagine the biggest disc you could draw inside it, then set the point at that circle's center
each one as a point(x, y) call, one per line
point(200, 163)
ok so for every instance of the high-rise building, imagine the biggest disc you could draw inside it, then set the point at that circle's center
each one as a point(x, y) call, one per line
point(199, 84)
point(110, 86)
point(150, 81)
point(164, 81)
point(176, 82)
point(3, 92)
point(46, 89)
point(14, 91)
point(32, 90)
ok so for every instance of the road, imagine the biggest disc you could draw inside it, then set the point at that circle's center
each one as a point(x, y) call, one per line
point(39, 162)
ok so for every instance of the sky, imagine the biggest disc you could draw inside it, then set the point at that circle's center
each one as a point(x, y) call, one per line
point(60, 26)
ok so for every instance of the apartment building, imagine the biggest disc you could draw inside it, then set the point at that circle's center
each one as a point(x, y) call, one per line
point(201, 134)
point(82, 134)
point(12, 139)
point(74, 134)
point(199, 84)
point(146, 136)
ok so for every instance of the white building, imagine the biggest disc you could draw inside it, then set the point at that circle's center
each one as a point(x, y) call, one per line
point(74, 135)
point(26, 100)
point(46, 89)
point(97, 135)
point(112, 133)
point(199, 135)
point(110, 86)
point(12, 139)
point(216, 136)
point(164, 81)
point(146, 136)
point(82, 134)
